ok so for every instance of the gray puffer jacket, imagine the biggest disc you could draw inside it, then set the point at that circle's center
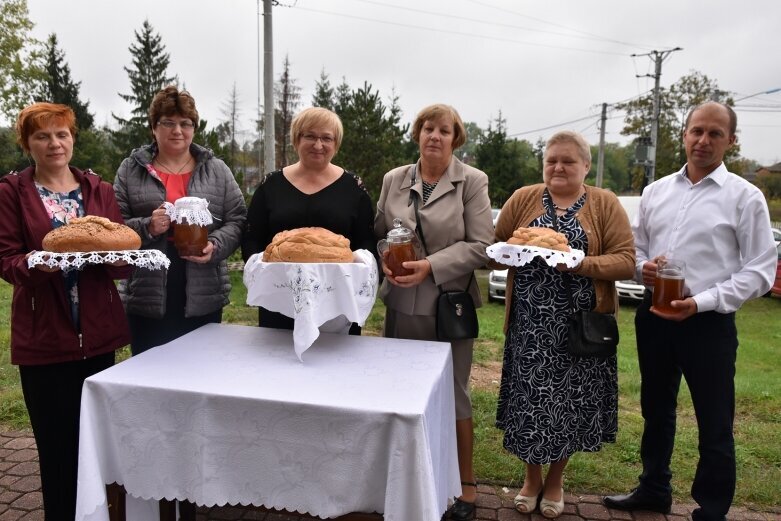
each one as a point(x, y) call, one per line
point(139, 191)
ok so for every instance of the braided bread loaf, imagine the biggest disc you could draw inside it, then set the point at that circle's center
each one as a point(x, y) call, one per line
point(91, 233)
point(540, 237)
point(308, 245)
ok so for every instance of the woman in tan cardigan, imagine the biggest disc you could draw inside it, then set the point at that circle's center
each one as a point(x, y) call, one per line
point(553, 404)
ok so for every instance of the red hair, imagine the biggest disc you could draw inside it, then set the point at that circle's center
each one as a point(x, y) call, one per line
point(40, 115)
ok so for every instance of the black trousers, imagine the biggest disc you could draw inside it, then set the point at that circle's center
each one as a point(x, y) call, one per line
point(703, 349)
point(147, 332)
point(52, 394)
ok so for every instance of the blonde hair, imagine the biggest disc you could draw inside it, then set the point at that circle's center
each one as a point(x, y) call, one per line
point(436, 112)
point(316, 117)
point(570, 136)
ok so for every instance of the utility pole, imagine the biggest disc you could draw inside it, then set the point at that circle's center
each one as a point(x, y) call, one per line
point(658, 57)
point(269, 141)
point(601, 154)
point(260, 98)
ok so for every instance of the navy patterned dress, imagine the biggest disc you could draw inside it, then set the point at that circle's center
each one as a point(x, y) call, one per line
point(553, 404)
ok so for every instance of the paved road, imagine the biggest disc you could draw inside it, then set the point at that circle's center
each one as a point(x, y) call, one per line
point(20, 498)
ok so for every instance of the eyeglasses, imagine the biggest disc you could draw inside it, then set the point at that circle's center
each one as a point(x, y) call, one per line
point(312, 138)
point(184, 125)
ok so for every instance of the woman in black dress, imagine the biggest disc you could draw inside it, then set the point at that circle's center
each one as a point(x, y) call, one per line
point(310, 192)
point(553, 404)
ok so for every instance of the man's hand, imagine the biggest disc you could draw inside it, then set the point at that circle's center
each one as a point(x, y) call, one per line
point(683, 309)
point(202, 259)
point(420, 270)
point(649, 271)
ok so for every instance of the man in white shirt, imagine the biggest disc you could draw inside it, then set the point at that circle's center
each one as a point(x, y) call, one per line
point(719, 225)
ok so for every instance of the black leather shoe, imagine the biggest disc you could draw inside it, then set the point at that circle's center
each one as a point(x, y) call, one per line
point(638, 499)
point(462, 511)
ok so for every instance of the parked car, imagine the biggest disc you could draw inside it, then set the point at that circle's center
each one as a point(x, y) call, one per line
point(776, 289)
point(496, 284)
point(495, 214)
point(776, 234)
point(629, 289)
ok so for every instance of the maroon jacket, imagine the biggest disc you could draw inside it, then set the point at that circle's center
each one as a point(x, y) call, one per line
point(42, 331)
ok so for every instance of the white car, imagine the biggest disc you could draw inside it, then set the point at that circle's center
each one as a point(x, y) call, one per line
point(776, 234)
point(495, 214)
point(496, 283)
point(629, 289)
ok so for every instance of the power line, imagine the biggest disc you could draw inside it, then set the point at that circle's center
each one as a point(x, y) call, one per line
point(459, 33)
point(562, 26)
point(585, 36)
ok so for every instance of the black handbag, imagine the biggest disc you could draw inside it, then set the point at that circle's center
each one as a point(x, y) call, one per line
point(589, 334)
point(592, 334)
point(456, 313)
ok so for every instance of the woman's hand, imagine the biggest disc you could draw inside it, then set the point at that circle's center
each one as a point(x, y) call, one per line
point(420, 270)
point(159, 222)
point(201, 259)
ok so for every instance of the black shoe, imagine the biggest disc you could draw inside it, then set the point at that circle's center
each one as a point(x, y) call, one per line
point(638, 499)
point(462, 511)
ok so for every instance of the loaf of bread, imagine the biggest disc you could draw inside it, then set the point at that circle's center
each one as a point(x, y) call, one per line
point(308, 245)
point(540, 237)
point(91, 233)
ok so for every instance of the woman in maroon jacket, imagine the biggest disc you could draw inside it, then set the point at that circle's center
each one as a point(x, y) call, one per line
point(65, 326)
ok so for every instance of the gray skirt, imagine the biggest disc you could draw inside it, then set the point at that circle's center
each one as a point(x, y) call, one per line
point(424, 327)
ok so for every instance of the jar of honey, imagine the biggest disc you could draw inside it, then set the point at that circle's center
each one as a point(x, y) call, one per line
point(398, 247)
point(191, 221)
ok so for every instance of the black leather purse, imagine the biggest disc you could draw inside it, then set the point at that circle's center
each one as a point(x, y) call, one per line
point(456, 312)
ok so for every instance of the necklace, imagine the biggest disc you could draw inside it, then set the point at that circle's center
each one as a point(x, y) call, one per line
point(171, 170)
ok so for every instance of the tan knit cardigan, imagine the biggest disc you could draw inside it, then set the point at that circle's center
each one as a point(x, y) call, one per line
point(611, 249)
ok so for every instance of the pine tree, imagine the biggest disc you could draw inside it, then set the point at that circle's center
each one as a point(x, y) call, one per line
point(324, 93)
point(227, 129)
point(287, 96)
point(59, 87)
point(148, 75)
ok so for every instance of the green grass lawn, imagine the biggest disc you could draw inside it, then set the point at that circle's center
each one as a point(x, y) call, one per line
point(616, 467)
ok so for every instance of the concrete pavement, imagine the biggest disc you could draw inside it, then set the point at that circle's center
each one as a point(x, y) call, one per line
point(20, 498)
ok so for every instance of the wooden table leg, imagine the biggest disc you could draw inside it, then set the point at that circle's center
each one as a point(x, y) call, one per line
point(115, 495)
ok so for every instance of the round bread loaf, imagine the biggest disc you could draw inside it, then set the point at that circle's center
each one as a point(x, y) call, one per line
point(91, 233)
point(311, 244)
point(539, 237)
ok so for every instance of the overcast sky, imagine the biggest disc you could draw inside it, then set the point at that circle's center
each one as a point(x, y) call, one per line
point(540, 62)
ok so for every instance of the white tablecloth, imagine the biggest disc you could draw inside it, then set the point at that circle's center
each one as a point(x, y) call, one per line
point(227, 414)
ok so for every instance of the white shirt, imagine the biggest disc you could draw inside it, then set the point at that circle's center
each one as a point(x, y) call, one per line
point(720, 227)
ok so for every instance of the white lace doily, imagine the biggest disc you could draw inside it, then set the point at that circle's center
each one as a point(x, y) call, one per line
point(194, 209)
point(517, 255)
point(149, 259)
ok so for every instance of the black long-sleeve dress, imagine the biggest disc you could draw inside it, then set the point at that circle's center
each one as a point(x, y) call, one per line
point(343, 207)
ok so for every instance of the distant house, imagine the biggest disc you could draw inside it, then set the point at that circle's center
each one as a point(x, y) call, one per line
point(768, 170)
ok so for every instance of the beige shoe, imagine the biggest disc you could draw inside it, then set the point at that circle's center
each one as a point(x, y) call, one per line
point(552, 509)
point(525, 504)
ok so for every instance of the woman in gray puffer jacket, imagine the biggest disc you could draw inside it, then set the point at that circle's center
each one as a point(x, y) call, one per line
point(163, 305)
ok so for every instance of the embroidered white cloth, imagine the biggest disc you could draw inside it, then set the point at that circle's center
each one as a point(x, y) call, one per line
point(227, 414)
point(194, 209)
point(326, 296)
point(149, 259)
point(517, 255)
